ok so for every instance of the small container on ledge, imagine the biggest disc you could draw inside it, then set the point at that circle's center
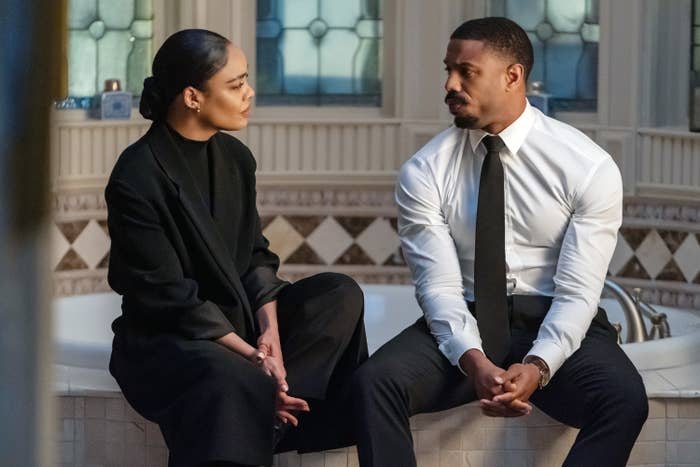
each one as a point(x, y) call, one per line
point(115, 103)
point(537, 96)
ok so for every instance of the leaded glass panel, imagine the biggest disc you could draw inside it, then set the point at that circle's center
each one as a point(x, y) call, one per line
point(108, 39)
point(564, 35)
point(319, 52)
point(695, 59)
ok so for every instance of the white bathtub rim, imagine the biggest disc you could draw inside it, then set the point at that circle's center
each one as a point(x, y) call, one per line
point(94, 354)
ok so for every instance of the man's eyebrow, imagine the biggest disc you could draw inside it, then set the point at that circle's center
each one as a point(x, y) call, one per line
point(461, 64)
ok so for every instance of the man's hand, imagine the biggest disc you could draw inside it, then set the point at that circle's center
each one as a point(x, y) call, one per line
point(522, 381)
point(489, 383)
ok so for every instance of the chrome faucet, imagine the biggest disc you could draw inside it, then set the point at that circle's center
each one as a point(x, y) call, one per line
point(635, 310)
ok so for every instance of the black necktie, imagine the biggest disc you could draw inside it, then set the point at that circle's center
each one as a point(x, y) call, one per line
point(490, 256)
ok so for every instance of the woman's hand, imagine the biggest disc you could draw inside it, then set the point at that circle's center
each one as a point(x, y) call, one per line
point(272, 362)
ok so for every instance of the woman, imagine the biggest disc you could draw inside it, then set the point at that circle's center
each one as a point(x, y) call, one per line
point(211, 344)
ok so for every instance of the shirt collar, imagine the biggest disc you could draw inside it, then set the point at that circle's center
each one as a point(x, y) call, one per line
point(513, 135)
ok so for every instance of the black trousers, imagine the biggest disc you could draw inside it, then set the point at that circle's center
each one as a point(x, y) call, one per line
point(213, 405)
point(597, 390)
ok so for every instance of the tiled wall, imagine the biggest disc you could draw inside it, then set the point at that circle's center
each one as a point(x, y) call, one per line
point(105, 431)
point(354, 231)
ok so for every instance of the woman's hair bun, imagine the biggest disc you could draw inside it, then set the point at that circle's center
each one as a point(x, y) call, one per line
point(152, 105)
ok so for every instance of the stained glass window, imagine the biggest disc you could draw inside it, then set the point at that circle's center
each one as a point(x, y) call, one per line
point(695, 59)
point(694, 101)
point(108, 39)
point(319, 52)
point(564, 35)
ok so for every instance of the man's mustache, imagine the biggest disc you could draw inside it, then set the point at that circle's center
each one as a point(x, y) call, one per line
point(453, 96)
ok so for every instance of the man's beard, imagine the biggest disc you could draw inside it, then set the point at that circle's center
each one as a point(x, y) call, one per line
point(469, 122)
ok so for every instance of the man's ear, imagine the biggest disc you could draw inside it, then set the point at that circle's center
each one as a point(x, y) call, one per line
point(515, 76)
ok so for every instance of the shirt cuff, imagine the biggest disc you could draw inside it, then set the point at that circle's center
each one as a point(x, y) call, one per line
point(455, 346)
point(550, 352)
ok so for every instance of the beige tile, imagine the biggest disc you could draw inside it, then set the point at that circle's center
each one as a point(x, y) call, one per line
point(156, 457)
point(423, 421)
point(289, 459)
point(353, 460)
point(450, 440)
point(538, 418)
point(623, 253)
point(453, 419)
point(472, 437)
point(154, 437)
point(79, 430)
point(379, 240)
point(95, 452)
point(135, 433)
point(115, 432)
point(450, 458)
point(66, 406)
point(653, 254)
point(426, 440)
point(428, 459)
point(657, 408)
point(115, 453)
point(522, 458)
point(135, 455)
point(683, 429)
point(132, 415)
point(66, 430)
point(95, 407)
point(66, 452)
point(494, 459)
point(329, 240)
point(494, 438)
point(648, 453)
point(336, 459)
point(519, 438)
point(555, 455)
point(688, 258)
point(95, 430)
point(654, 429)
point(114, 409)
point(683, 452)
point(313, 459)
point(283, 238)
point(541, 437)
point(92, 244)
point(59, 245)
point(79, 407)
point(476, 458)
point(79, 447)
point(683, 408)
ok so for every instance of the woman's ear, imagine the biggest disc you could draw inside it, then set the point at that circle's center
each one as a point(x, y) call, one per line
point(192, 99)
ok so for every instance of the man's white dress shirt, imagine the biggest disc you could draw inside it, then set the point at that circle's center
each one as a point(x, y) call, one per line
point(563, 207)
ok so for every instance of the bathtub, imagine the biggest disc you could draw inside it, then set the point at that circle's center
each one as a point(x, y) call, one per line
point(82, 333)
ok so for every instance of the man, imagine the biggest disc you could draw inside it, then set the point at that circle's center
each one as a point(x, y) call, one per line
point(508, 221)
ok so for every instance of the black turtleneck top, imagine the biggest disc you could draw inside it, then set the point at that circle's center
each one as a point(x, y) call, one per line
point(198, 160)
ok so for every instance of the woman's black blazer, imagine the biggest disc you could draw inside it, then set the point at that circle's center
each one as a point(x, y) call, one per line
point(182, 267)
